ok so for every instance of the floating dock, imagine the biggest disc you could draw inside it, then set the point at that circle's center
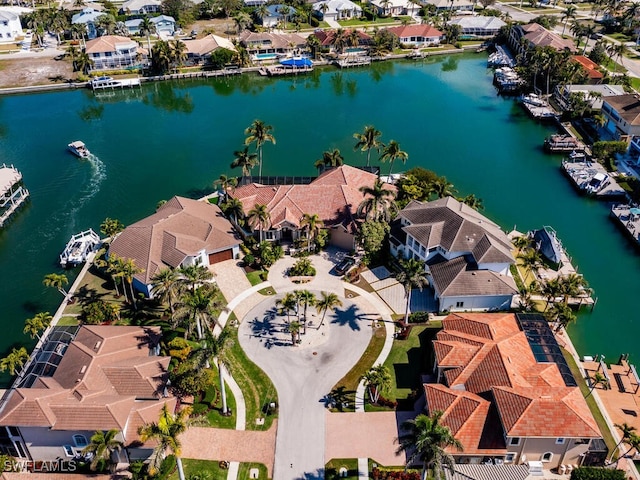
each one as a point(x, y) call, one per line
point(628, 217)
point(562, 143)
point(538, 107)
point(592, 179)
point(279, 71)
point(12, 193)
point(104, 83)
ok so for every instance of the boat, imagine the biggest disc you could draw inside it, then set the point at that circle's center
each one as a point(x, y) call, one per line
point(597, 183)
point(78, 248)
point(79, 149)
point(548, 244)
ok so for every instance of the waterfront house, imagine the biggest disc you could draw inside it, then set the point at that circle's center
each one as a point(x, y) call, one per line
point(417, 35)
point(115, 52)
point(88, 17)
point(508, 395)
point(594, 94)
point(467, 256)
point(141, 7)
point(522, 37)
point(327, 38)
point(85, 379)
point(182, 232)
point(334, 196)
point(271, 42)
point(478, 26)
point(451, 5)
point(622, 115)
point(198, 51)
point(337, 9)
point(395, 8)
point(163, 23)
point(275, 16)
point(10, 27)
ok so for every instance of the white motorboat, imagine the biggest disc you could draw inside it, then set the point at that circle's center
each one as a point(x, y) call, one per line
point(79, 149)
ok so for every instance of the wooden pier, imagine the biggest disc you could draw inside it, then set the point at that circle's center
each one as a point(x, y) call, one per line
point(12, 193)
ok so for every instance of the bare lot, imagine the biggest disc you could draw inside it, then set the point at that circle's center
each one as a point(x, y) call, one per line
point(18, 72)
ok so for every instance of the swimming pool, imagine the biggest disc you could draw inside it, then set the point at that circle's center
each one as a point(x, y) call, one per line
point(356, 50)
point(266, 56)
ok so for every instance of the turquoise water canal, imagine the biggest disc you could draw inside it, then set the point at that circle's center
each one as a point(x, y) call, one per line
point(176, 138)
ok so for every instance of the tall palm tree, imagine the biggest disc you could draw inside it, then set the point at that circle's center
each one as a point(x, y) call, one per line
point(14, 360)
point(111, 227)
point(442, 188)
point(164, 285)
point(57, 281)
point(226, 184)
point(190, 276)
point(331, 158)
point(287, 303)
point(626, 430)
point(166, 433)
point(259, 133)
point(294, 330)
point(340, 40)
point(377, 380)
point(308, 299)
point(212, 350)
point(368, 140)
point(244, 160)
point(568, 14)
point(550, 290)
point(531, 259)
point(571, 286)
point(379, 202)
point(103, 445)
point(426, 439)
point(33, 326)
point(472, 201)
point(178, 53)
point(128, 270)
point(312, 224)
point(391, 153)
point(328, 301)
point(147, 28)
point(259, 217)
point(198, 308)
point(412, 275)
point(233, 207)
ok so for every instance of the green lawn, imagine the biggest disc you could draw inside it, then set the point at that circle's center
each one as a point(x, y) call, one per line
point(67, 322)
point(595, 411)
point(257, 276)
point(332, 468)
point(243, 471)
point(213, 410)
point(198, 466)
point(349, 383)
point(94, 287)
point(255, 384)
point(635, 83)
point(409, 359)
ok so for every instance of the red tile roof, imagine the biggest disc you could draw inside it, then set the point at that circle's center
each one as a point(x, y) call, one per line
point(326, 37)
point(589, 66)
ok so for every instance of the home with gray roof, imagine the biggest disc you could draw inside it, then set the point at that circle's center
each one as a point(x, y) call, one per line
point(141, 7)
point(89, 17)
point(467, 256)
point(276, 14)
point(478, 26)
point(182, 232)
point(163, 23)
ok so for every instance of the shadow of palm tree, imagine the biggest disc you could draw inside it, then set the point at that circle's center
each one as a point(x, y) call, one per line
point(85, 295)
point(351, 317)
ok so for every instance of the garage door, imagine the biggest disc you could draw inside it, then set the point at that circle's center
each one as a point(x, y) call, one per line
point(220, 256)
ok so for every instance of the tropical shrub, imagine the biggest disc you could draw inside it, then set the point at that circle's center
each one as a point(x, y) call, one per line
point(391, 474)
point(597, 473)
point(302, 268)
point(179, 349)
point(419, 317)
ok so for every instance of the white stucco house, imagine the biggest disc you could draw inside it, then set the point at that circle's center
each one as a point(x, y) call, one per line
point(141, 7)
point(467, 256)
point(395, 8)
point(10, 27)
point(337, 9)
point(417, 35)
point(478, 26)
point(89, 17)
point(163, 23)
point(114, 52)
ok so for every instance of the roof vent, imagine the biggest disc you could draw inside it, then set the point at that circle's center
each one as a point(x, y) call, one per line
point(83, 369)
point(97, 345)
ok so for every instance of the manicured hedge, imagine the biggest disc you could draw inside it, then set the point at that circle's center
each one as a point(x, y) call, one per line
point(596, 473)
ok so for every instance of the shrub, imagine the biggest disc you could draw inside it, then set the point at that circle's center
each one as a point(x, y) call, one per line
point(302, 268)
point(597, 473)
point(419, 317)
point(249, 259)
point(389, 474)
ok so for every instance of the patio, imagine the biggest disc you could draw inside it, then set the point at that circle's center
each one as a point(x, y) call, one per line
point(393, 294)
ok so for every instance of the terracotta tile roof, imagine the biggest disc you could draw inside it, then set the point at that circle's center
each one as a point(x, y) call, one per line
point(541, 37)
point(334, 196)
point(108, 43)
point(589, 66)
point(419, 30)
point(326, 37)
point(180, 228)
point(491, 357)
point(105, 378)
point(208, 44)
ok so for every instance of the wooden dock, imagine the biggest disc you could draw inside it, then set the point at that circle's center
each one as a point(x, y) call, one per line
point(628, 218)
point(12, 193)
point(562, 143)
point(591, 178)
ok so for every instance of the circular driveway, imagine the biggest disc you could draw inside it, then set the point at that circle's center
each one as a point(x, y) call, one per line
point(303, 375)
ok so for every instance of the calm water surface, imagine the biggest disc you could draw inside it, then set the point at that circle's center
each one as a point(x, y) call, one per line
point(176, 138)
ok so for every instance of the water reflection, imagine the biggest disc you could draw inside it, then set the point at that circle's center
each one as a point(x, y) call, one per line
point(91, 112)
point(165, 97)
point(450, 64)
point(379, 69)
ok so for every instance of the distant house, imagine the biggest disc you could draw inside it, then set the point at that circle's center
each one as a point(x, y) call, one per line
point(88, 17)
point(254, 3)
point(396, 8)
point(10, 27)
point(478, 26)
point(467, 255)
point(182, 232)
point(334, 196)
point(594, 94)
point(114, 51)
point(417, 35)
point(141, 7)
point(200, 50)
point(86, 379)
point(275, 16)
point(337, 9)
point(589, 68)
point(271, 42)
point(508, 395)
point(163, 23)
point(521, 37)
point(452, 5)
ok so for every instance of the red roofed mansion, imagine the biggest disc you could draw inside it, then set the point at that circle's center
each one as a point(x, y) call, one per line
point(182, 232)
point(83, 380)
point(508, 394)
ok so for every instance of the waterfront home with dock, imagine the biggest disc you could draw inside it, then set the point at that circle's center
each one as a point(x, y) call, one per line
point(628, 218)
point(592, 179)
point(417, 35)
point(12, 193)
point(114, 51)
point(479, 26)
point(267, 45)
point(522, 37)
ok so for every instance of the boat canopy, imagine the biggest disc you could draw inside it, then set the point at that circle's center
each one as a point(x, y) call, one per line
point(296, 62)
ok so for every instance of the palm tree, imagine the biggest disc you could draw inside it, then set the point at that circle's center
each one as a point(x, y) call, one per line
point(57, 281)
point(472, 201)
point(568, 14)
point(308, 299)
point(111, 227)
point(226, 184)
point(259, 133)
point(412, 275)
point(442, 188)
point(561, 314)
point(377, 380)
point(571, 286)
point(178, 53)
point(589, 31)
point(329, 301)
point(33, 326)
point(102, 445)
point(312, 224)
point(294, 330)
point(212, 350)
point(147, 28)
point(331, 158)
point(597, 379)
point(242, 21)
point(550, 290)
point(128, 270)
point(166, 433)
point(233, 207)
point(313, 45)
point(426, 439)
point(164, 284)
point(340, 40)
point(244, 160)
point(287, 303)
point(626, 429)
point(190, 276)
point(14, 360)
point(259, 217)
point(198, 307)
point(379, 202)
point(531, 259)
point(391, 153)
point(83, 62)
point(368, 140)
point(634, 442)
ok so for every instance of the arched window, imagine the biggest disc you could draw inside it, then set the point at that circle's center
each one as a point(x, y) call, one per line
point(546, 457)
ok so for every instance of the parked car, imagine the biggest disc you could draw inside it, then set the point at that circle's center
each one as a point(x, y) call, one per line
point(345, 265)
